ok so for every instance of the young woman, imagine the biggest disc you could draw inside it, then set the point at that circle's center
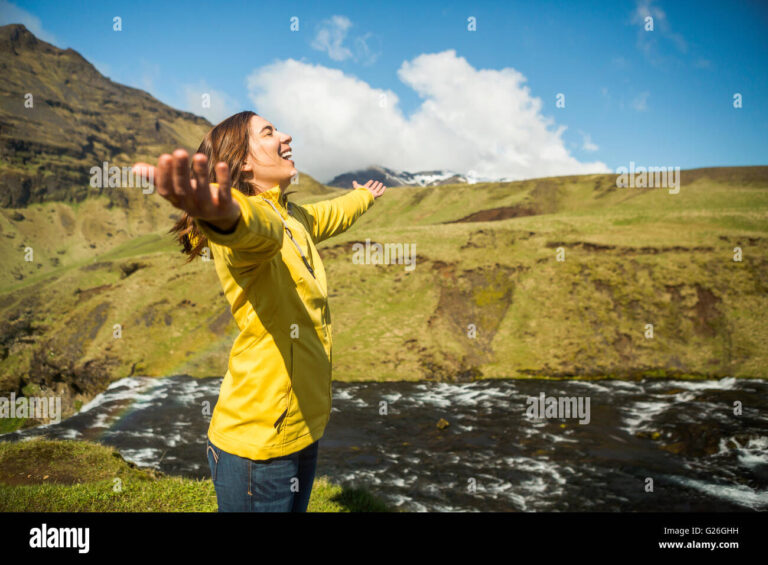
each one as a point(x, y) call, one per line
point(275, 399)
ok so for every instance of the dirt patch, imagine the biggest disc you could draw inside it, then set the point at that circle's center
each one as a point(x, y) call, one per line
point(622, 344)
point(49, 462)
point(127, 269)
point(470, 308)
point(482, 239)
point(496, 214)
point(544, 198)
point(17, 328)
point(708, 318)
point(67, 219)
point(705, 315)
point(83, 295)
point(735, 175)
point(17, 473)
point(621, 250)
point(581, 244)
point(219, 324)
point(333, 251)
point(152, 312)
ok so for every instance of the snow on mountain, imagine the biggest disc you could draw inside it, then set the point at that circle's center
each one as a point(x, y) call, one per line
point(392, 177)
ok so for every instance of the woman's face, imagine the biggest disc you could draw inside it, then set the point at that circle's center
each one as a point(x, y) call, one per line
point(266, 164)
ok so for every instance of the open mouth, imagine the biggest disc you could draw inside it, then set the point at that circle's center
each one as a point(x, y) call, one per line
point(287, 155)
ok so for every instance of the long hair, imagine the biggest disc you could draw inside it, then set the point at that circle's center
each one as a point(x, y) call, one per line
point(228, 142)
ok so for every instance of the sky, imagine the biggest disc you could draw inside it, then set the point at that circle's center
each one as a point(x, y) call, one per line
point(496, 89)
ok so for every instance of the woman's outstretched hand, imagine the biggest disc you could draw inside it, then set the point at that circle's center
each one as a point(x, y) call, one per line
point(374, 187)
point(195, 196)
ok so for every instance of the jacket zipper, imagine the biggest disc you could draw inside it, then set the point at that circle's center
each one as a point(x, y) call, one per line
point(303, 257)
point(325, 329)
point(296, 243)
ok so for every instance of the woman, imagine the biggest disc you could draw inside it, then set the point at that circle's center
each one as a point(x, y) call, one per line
point(275, 399)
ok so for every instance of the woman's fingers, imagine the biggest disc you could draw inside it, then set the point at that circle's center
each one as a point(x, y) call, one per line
point(224, 196)
point(165, 179)
point(200, 170)
point(376, 187)
point(192, 191)
point(181, 186)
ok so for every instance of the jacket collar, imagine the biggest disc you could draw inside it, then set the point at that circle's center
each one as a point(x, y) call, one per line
point(278, 197)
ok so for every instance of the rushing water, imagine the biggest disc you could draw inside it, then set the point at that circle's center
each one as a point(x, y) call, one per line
point(681, 434)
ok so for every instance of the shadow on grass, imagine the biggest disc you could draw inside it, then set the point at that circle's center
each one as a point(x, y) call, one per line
point(359, 500)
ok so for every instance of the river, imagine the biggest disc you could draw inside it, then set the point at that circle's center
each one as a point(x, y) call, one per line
point(682, 435)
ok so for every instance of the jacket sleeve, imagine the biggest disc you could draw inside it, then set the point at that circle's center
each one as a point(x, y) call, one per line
point(332, 217)
point(257, 237)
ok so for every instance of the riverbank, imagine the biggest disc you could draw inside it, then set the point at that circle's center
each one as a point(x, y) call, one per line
point(41, 475)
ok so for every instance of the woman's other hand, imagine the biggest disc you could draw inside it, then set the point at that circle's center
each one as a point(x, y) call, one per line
point(196, 196)
point(374, 187)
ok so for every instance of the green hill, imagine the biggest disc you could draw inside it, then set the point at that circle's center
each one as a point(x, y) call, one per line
point(59, 117)
point(632, 257)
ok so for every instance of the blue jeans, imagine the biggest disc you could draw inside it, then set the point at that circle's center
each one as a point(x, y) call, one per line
point(279, 484)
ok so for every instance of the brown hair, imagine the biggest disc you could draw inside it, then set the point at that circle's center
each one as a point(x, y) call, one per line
point(228, 142)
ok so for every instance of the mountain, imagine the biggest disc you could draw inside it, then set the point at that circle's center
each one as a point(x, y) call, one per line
point(391, 177)
point(487, 256)
point(77, 120)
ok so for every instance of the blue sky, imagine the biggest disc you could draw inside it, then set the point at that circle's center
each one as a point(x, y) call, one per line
point(409, 86)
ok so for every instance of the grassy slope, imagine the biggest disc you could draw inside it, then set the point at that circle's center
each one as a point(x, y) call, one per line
point(633, 257)
point(76, 476)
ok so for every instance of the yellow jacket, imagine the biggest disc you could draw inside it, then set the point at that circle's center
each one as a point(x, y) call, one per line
point(275, 398)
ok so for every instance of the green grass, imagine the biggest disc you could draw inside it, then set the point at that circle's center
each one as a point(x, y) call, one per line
point(43, 475)
point(633, 257)
point(8, 425)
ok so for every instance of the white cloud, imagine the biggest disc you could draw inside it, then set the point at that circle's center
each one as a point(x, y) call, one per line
point(480, 120)
point(12, 14)
point(365, 53)
point(331, 35)
point(221, 105)
point(330, 38)
point(640, 103)
point(587, 144)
